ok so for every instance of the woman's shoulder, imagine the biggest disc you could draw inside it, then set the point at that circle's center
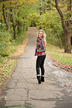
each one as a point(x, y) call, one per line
point(38, 39)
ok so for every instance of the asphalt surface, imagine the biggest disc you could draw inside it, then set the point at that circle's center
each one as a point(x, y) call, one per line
point(22, 89)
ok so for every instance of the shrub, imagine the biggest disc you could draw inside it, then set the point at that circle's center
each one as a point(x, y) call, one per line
point(4, 40)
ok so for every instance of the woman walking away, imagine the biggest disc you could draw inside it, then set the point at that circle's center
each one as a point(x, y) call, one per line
point(40, 52)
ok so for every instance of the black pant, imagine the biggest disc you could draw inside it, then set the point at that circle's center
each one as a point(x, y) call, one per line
point(40, 64)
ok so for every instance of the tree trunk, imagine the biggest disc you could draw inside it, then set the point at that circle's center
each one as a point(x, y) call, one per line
point(67, 37)
point(14, 30)
point(40, 7)
point(67, 30)
point(70, 4)
point(60, 41)
point(18, 27)
point(13, 25)
point(18, 24)
point(5, 19)
point(23, 25)
point(44, 6)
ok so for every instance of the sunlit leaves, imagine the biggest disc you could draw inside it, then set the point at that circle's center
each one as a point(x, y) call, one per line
point(50, 21)
point(66, 6)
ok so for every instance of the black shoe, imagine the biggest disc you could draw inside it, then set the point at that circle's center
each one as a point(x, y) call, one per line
point(39, 80)
point(42, 79)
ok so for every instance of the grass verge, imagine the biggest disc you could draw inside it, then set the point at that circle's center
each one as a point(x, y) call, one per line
point(63, 60)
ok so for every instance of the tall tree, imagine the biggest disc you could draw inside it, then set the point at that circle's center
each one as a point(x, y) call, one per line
point(9, 9)
point(12, 21)
point(18, 24)
point(4, 15)
point(66, 27)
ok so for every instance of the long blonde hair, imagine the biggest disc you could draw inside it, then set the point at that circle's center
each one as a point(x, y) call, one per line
point(44, 35)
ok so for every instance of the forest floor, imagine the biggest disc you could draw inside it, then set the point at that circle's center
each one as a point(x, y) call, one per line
point(23, 90)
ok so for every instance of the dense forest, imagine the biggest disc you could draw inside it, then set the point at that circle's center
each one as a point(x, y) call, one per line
point(17, 15)
point(54, 16)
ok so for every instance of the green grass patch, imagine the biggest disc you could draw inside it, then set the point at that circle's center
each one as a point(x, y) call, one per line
point(59, 55)
point(62, 59)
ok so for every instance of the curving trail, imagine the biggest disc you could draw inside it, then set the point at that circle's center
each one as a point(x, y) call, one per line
point(22, 89)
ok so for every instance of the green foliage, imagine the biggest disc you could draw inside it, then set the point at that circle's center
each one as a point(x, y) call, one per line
point(51, 23)
point(1, 59)
point(48, 4)
point(33, 18)
point(2, 26)
point(4, 40)
point(20, 38)
point(21, 16)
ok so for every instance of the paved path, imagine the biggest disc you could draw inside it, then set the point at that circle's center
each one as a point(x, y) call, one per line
point(23, 90)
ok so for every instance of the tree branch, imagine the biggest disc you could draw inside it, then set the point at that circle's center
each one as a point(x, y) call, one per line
point(61, 14)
